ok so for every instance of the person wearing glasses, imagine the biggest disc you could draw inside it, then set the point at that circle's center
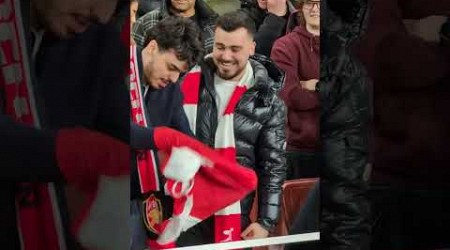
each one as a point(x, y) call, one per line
point(297, 54)
point(271, 19)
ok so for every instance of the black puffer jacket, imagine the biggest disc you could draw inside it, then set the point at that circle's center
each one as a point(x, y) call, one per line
point(344, 90)
point(259, 120)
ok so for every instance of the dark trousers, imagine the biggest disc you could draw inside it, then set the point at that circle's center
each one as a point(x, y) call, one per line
point(303, 164)
point(407, 218)
point(345, 209)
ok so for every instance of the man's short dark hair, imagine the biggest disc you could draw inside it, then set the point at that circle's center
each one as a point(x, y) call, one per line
point(180, 34)
point(234, 20)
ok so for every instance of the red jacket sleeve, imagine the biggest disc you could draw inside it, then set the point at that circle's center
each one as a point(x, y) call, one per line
point(293, 94)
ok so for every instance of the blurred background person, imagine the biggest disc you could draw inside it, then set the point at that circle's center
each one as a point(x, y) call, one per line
point(196, 10)
point(71, 76)
point(270, 17)
point(145, 6)
point(297, 54)
point(344, 91)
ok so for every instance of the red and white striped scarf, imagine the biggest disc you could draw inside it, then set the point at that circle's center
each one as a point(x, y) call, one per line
point(147, 168)
point(227, 222)
point(146, 161)
point(39, 223)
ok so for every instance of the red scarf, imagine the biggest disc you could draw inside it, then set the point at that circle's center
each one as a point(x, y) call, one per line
point(147, 168)
point(226, 221)
point(198, 191)
point(39, 224)
point(146, 162)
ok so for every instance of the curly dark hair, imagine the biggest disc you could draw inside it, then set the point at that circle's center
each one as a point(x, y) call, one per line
point(234, 20)
point(180, 34)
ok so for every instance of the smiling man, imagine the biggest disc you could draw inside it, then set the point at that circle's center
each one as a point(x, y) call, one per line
point(239, 94)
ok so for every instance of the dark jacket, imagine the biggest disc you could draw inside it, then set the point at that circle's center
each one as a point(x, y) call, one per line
point(259, 121)
point(269, 27)
point(205, 17)
point(163, 107)
point(297, 54)
point(145, 6)
point(77, 82)
point(344, 90)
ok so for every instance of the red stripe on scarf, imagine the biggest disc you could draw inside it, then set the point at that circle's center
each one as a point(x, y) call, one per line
point(147, 170)
point(227, 227)
point(36, 222)
point(229, 153)
point(231, 225)
point(238, 92)
point(190, 87)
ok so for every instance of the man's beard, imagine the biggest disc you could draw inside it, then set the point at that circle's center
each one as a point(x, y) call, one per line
point(226, 75)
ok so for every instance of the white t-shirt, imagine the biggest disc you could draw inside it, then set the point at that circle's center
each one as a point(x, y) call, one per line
point(224, 91)
point(224, 88)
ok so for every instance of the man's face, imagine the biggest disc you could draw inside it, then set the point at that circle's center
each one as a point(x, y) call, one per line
point(262, 4)
point(133, 10)
point(231, 52)
point(68, 17)
point(311, 12)
point(183, 5)
point(161, 68)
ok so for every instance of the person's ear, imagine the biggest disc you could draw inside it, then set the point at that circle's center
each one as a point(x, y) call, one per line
point(152, 46)
point(253, 48)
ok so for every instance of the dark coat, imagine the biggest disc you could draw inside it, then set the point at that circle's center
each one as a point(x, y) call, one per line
point(259, 121)
point(269, 27)
point(163, 107)
point(78, 82)
point(344, 90)
point(205, 17)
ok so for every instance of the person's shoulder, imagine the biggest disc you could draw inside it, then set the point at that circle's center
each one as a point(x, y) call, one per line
point(154, 15)
point(282, 41)
point(267, 67)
